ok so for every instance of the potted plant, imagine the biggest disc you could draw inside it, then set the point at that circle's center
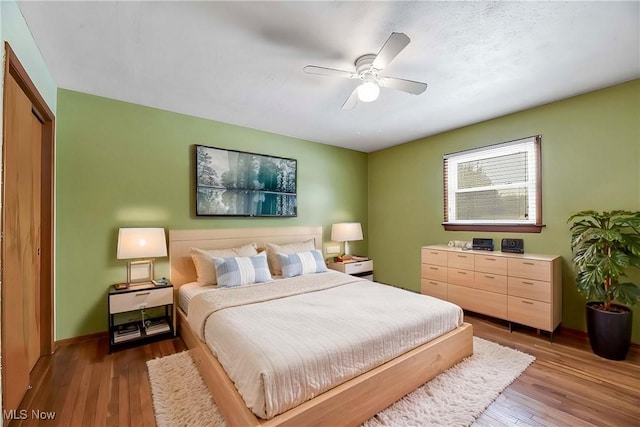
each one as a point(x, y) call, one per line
point(605, 246)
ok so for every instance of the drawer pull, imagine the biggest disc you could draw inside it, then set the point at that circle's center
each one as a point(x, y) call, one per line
point(142, 294)
point(527, 263)
point(489, 277)
point(434, 253)
point(527, 283)
point(462, 256)
point(434, 268)
point(461, 272)
point(433, 283)
point(357, 265)
point(489, 259)
point(527, 302)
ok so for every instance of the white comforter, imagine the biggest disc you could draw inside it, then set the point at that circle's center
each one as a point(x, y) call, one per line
point(287, 341)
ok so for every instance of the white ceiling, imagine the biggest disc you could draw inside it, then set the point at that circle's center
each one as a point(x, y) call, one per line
point(241, 62)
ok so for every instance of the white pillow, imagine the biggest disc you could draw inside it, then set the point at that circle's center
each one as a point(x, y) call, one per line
point(239, 271)
point(202, 260)
point(302, 263)
point(291, 248)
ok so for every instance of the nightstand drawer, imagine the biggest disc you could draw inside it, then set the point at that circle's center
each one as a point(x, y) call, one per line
point(358, 267)
point(137, 300)
point(352, 267)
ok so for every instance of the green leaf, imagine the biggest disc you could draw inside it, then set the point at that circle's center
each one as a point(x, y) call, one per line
point(626, 293)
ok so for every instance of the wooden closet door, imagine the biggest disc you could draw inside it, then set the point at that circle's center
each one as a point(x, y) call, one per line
point(21, 243)
point(32, 284)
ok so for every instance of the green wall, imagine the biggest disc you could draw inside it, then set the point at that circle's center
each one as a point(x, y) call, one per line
point(125, 165)
point(590, 160)
point(121, 165)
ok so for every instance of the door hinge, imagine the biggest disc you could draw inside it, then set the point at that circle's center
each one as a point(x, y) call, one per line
point(38, 251)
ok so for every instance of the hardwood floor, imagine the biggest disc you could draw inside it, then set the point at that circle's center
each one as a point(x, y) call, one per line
point(566, 386)
point(83, 385)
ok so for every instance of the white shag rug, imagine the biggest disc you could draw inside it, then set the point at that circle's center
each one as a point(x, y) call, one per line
point(454, 398)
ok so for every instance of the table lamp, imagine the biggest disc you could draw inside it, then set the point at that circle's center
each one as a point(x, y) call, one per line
point(141, 243)
point(346, 232)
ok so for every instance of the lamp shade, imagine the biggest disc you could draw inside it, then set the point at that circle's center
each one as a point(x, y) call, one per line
point(346, 232)
point(141, 243)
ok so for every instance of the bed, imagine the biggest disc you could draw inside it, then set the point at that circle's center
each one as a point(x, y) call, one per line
point(349, 403)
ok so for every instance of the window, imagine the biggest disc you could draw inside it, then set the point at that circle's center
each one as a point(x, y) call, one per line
point(494, 188)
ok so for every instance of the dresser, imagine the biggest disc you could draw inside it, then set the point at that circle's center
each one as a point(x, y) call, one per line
point(520, 288)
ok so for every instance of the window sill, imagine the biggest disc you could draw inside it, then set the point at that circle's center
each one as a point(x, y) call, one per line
point(506, 228)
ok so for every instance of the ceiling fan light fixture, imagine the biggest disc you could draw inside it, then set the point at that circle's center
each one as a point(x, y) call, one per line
point(368, 92)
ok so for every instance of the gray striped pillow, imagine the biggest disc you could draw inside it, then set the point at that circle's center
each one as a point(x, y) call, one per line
point(238, 271)
point(302, 263)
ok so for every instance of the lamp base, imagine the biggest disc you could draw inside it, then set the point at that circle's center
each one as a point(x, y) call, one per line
point(140, 271)
point(346, 250)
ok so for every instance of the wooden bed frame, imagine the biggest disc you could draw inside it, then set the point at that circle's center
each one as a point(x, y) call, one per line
point(348, 404)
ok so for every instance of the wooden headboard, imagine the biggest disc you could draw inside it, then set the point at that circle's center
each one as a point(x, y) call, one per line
point(181, 266)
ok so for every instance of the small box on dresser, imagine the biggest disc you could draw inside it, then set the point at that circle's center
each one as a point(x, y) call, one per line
point(519, 288)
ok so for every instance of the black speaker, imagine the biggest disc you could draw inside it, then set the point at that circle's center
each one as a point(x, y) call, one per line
point(514, 246)
point(482, 244)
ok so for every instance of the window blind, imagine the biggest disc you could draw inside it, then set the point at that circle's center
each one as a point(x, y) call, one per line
point(498, 184)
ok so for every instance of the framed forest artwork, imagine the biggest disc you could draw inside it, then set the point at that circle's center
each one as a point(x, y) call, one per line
point(238, 183)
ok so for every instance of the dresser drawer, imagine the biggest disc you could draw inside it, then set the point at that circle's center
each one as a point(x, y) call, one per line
point(460, 260)
point(490, 282)
point(434, 288)
point(491, 264)
point(530, 313)
point(530, 269)
point(460, 277)
point(434, 256)
point(479, 301)
point(434, 272)
point(137, 300)
point(532, 289)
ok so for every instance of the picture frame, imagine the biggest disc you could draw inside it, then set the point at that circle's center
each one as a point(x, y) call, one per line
point(140, 271)
point(241, 183)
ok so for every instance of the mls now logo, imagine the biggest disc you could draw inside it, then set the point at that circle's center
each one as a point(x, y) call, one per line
point(14, 414)
point(23, 414)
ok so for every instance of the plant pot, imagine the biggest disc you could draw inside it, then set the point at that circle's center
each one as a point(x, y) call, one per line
point(609, 331)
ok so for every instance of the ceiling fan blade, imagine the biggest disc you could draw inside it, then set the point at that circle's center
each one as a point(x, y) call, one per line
point(323, 71)
point(392, 47)
point(409, 86)
point(351, 101)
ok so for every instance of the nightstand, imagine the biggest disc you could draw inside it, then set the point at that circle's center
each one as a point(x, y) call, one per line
point(362, 269)
point(140, 314)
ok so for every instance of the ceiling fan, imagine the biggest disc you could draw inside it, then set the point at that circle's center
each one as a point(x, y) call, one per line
point(368, 68)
